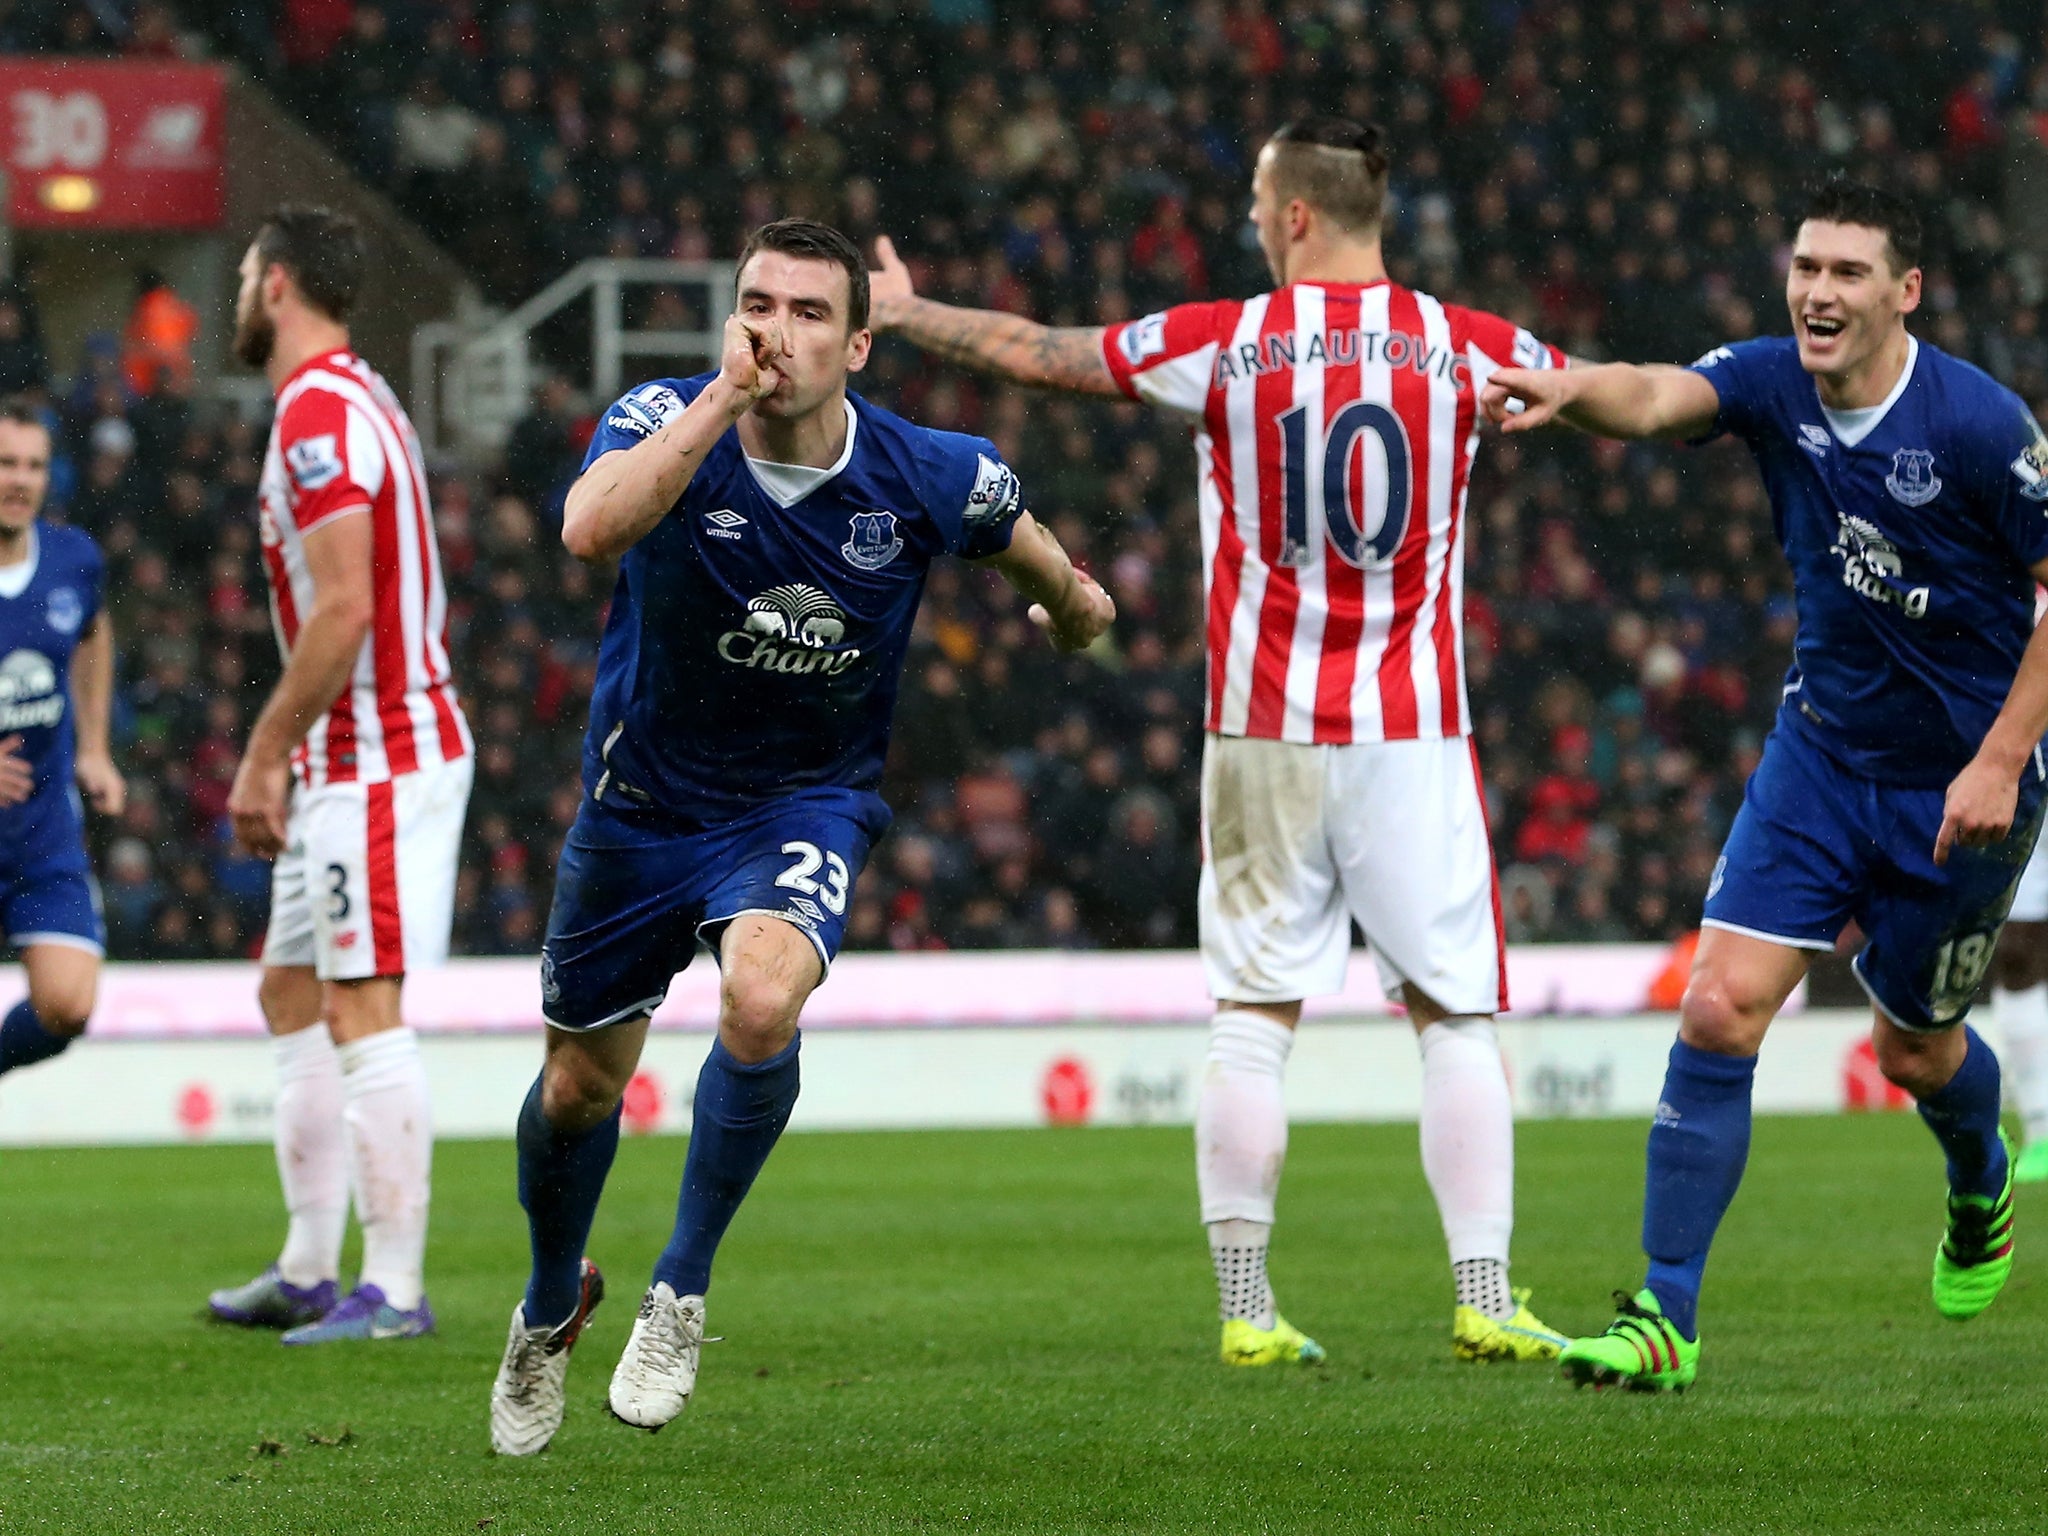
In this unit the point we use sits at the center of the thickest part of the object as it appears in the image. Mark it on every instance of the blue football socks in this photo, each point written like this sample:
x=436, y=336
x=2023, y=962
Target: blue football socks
x=561, y=1176
x=24, y=1041
x=738, y=1115
x=1964, y=1119
x=1699, y=1142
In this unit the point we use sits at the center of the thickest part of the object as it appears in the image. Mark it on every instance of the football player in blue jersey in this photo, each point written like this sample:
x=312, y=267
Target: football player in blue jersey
x=56, y=691
x=773, y=533
x=1902, y=788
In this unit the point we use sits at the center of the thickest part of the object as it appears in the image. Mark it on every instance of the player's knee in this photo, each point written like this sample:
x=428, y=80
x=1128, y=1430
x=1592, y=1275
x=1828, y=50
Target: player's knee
x=63, y=1010
x=757, y=1013
x=1724, y=1012
x=576, y=1092
x=285, y=1002
x=1917, y=1062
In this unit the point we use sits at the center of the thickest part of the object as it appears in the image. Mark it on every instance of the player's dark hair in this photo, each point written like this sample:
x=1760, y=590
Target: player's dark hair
x=812, y=241
x=323, y=250
x=1841, y=201
x=23, y=412
x=1337, y=166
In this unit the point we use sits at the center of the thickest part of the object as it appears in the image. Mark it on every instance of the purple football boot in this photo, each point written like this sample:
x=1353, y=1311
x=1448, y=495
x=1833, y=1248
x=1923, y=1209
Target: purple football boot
x=271, y=1301
x=364, y=1314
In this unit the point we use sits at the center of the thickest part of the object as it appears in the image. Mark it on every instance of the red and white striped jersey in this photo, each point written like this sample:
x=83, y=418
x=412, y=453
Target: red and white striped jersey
x=341, y=444
x=1335, y=429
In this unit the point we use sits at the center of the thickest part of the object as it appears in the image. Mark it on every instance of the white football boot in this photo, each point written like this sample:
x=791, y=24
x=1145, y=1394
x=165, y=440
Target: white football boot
x=658, y=1371
x=526, y=1399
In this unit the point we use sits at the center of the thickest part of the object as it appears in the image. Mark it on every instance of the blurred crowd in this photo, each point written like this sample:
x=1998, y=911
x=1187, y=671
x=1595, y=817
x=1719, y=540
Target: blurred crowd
x=1617, y=176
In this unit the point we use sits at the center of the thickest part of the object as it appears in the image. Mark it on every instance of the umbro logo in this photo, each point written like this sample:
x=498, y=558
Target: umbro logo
x=1814, y=440
x=725, y=523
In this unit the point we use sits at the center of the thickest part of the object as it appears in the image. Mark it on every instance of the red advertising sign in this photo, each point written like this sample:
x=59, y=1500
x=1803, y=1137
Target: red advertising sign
x=112, y=146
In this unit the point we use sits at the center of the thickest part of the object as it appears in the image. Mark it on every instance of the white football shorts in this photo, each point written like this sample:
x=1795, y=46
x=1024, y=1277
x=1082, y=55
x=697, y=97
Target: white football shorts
x=2030, y=901
x=366, y=884
x=1300, y=840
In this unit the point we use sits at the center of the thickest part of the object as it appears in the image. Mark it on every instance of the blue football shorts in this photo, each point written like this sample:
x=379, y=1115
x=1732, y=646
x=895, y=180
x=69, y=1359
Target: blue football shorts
x=47, y=892
x=1816, y=846
x=636, y=892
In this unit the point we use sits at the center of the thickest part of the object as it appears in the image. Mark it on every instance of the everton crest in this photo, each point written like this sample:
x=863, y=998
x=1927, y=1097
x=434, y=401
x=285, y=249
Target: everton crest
x=1913, y=480
x=873, y=541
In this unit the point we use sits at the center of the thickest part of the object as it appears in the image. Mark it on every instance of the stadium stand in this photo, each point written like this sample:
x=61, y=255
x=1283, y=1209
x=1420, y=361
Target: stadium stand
x=1595, y=170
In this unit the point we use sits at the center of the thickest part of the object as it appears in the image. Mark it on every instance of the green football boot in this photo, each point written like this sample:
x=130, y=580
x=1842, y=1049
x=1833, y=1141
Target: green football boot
x=2032, y=1168
x=1641, y=1350
x=1975, y=1256
x=1281, y=1344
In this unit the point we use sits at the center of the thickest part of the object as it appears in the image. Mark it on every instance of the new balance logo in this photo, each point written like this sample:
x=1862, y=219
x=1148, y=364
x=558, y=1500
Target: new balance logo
x=725, y=523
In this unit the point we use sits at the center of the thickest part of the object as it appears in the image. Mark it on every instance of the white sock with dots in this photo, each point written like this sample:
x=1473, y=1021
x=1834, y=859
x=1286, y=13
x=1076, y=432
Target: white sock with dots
x=391, y=1156
x=1468, y=1155
x=1240, y=1147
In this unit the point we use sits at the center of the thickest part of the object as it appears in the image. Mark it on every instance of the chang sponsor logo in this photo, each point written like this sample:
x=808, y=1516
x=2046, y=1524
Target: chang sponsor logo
x=794, y=629
x=28, y=692
x=1872, y=568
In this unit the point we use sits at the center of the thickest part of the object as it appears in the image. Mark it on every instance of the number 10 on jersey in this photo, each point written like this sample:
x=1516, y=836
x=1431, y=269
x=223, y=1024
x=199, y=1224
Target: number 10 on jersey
x=1338, y=508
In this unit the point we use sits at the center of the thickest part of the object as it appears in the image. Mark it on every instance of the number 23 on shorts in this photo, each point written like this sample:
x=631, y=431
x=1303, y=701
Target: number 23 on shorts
x=801, y=874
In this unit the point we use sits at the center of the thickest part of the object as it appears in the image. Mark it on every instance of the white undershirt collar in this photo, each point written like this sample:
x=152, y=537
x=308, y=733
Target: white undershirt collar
x=788, y=484
x=14, y=579
x=1851, y=427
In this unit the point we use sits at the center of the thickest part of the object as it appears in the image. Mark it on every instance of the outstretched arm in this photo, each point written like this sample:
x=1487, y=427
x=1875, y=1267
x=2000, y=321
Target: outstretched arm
x=1009, y=346
x=1067, y=604
x=1625, y=400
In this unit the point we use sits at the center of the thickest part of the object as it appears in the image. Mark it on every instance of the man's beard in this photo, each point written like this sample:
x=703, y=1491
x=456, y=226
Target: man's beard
x=255, y=339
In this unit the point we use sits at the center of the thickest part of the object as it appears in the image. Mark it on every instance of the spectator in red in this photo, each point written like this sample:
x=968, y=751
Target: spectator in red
x=1562, y=803
x=1970, y=119
x=1166, y=250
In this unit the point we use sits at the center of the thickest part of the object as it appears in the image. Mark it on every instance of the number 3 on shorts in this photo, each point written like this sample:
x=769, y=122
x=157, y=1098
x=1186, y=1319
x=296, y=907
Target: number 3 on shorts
x=800, y=876
x=337, y=893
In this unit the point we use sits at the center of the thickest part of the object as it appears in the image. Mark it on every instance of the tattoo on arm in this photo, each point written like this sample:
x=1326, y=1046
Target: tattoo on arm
x=1020, y=350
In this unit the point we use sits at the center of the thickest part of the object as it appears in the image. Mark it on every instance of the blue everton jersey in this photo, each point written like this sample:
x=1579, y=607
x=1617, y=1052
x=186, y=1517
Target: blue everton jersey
x=40, y=626
x=755, y=638
x=1911, y=529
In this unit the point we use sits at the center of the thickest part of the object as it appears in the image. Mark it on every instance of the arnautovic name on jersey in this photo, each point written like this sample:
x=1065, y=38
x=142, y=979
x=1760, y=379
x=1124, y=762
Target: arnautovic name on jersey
x=1871, y=567
x=791, y=628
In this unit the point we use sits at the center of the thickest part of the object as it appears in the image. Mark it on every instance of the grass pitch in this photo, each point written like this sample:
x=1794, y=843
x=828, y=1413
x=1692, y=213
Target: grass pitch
x=1015, y=1332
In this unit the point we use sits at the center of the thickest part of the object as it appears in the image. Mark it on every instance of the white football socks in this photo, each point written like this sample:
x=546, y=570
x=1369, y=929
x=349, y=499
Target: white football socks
x=2022, y=1018
x=1468, y=1151
x=391, y=1153
x=1240, y=1147
x=1241, y=1117
x=312, y=1159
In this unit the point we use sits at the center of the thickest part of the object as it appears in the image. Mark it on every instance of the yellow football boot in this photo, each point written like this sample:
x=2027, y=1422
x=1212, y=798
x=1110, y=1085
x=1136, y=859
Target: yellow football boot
x=1281, y=1344
x=1481, y=1340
